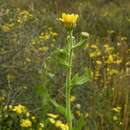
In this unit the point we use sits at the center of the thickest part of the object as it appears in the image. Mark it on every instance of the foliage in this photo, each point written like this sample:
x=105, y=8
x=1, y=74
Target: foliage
x=33, y=64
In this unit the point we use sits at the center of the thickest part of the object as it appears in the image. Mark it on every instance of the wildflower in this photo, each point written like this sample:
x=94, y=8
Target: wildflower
x=61, y=125
x=78, y=106
x=2, y=99
x=25, y=123
x=106, y=45
x=10, y=107
x=19, y=109
x=98, y=62
x=51, y=120
x=5, y=107
x=110, y=59
x=69, y=19
x=43, y=49
x=25, y=13
x=78, y=113
x=72, y=98
x=7, y=27
x=54, y=34
x=117, y=109
x=33, y=118
x=112, y=71
x=27, y=114
x=23, y=16
x=85, y=34
x=120, y=123
x=58, y=123
x=43, y=36
x=54, y=116
x=28, y=59
x=86, y=115
x=40, y=128
x=95, y=53
x=115, y=118
x=41, y=125
x=94, y=46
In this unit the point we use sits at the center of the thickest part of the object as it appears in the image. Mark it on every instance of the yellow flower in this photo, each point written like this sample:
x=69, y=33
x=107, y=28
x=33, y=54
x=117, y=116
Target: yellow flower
x=110, y=59
x=10, y=107
x=58, y=123
x=2, y=99
x=78, y=113
x=112, y=71
x=25, y=13
x=98, y=62
x=72, y=98
x=23, y=16
x=7, y=27
x=54, y=34
x=117, y=109
x=27, y=114
x=19, y=109
x=41, y=125
x=54, y=116
x=25, y=123
x=43, y=49
x=94, y=46
x=61, y=125
x=33, y=118
x=40, y=128
x=115, y=118
x=51, y=120
x=69, y=19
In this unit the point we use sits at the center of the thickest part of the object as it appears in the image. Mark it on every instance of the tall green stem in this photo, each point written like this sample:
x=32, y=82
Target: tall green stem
x=68, y=79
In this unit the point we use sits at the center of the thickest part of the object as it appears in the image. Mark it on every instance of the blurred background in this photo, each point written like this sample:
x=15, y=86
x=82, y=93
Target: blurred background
x=29, y=34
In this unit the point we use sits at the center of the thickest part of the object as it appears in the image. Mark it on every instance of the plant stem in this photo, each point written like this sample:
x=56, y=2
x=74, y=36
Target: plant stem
x=68, y=79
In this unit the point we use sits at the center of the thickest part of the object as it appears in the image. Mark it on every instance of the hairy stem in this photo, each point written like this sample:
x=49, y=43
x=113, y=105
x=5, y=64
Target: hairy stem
x=68, y=80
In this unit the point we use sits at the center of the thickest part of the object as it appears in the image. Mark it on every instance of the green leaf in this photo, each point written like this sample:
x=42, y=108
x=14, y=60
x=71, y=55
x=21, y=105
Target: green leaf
x=42, y=91
x=61, y=53
x=61, y=109
x=80, y=44
x=80, y=123
x=79, y=80
x=64, y=62
x=61, y=56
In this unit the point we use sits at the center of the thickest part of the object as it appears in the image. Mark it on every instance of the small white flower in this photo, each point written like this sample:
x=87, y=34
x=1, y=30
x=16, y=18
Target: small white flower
x=85, y=34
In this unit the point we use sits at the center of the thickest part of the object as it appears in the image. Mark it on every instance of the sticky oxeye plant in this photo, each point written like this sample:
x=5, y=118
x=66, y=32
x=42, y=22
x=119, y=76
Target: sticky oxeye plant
x=69, y=22
x=65, y=57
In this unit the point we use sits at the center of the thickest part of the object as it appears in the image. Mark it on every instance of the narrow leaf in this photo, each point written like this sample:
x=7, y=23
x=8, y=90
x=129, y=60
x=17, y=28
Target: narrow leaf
x=79, y=80
x=61, y=109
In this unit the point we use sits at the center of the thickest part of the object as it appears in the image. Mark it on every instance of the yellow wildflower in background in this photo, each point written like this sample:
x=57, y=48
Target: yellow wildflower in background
x=23, y=16
x=69, y=19
x=7, y=27
x=78, y=113
x=98, y=62
x=25, y=123
x=115, y=118
x=117, y=109
x=72, y=98
x=61, y=125
x=19, y=109
x=27, y=114
x=54, y=116
x=51, y=120
x=41, y=125
x=33, y=118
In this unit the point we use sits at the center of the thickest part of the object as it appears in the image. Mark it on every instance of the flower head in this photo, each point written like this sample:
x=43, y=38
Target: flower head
x=25, y=123
x=51, y=115
x=69, y=19
x=19, y=109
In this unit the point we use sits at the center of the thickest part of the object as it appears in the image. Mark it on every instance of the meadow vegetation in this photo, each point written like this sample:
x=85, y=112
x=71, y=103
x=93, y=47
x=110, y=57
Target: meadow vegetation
x=64, y=65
